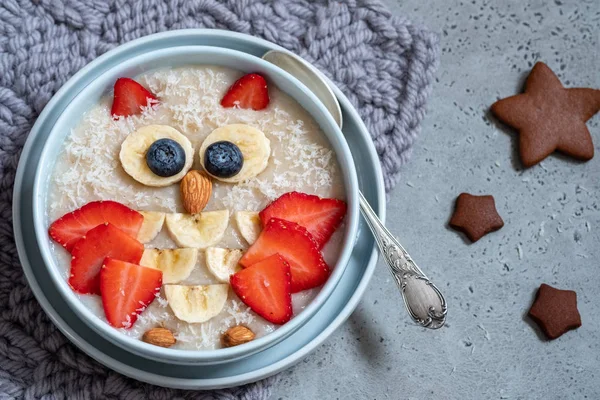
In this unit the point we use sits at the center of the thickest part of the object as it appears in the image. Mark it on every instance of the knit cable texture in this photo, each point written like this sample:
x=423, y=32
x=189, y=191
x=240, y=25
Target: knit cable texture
x=383, y=63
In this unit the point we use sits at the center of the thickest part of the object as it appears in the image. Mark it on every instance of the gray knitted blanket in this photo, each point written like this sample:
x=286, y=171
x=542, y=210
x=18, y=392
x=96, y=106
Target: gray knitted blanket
x=384, y=64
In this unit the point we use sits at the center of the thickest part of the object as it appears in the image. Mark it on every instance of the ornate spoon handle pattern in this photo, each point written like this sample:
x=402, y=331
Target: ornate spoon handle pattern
x=423, y=300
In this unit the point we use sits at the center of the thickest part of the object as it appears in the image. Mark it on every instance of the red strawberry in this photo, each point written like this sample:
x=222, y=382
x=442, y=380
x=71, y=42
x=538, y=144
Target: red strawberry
x=129, y=98
x=127, y=289
x=68, y=229
x=265, y=288
x=250, y=91
x=321, y=217
x=88, y=253
x=296, y=246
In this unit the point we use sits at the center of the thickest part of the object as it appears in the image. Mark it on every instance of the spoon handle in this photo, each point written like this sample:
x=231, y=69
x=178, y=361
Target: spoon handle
x=423, y=300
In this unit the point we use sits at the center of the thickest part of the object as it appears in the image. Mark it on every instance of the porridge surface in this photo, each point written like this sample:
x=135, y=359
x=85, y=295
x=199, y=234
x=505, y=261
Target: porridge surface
x=88, y=169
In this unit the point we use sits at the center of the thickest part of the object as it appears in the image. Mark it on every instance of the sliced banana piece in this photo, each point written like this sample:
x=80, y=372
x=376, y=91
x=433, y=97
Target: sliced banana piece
x=135, y=146
x=249, y=225
x=196, y=304
x=176, y=264
x=198, y=230
x=153, y=223
x=223, y=262
x=253, y=144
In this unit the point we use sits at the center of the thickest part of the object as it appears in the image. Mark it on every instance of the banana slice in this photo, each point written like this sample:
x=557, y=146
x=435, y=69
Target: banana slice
x=196, y=304
x=153, y=223
x=253, y=144
x=223, y=262
x=249, y=225
x=198, y=230
x=135, y=146
x=176, y=264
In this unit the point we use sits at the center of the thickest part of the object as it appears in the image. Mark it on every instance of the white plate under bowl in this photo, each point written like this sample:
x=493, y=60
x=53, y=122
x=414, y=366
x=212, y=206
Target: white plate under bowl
x=333, y=313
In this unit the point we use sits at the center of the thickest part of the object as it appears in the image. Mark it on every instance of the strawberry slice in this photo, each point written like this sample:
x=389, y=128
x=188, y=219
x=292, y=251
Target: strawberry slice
x=127, y=289
x=250, y=91
x=321, y=217
x=88, y=253
x=265, y=288
x=296, y=246
x=129, y=98
x=68, y=229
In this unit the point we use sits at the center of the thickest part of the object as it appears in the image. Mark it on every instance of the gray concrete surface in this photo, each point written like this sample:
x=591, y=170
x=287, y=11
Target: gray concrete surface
x=489, y=350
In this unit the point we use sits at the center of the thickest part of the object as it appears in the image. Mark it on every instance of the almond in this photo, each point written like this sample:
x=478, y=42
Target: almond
x=159, y=337
x=237, y=335
x=196, y=188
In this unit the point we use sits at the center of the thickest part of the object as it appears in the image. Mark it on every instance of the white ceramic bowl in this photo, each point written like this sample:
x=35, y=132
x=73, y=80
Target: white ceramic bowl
x=101, y=81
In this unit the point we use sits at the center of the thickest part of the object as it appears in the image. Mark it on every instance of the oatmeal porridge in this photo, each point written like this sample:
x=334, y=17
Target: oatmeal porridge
x=220, y=186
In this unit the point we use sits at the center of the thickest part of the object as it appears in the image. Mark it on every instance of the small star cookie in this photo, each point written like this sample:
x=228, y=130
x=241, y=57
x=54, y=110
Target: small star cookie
x=555, y=311
x=550, y=117
x=476, y=216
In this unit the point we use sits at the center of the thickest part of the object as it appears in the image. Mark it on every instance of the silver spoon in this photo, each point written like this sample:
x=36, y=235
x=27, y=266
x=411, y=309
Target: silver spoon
x=423, y=300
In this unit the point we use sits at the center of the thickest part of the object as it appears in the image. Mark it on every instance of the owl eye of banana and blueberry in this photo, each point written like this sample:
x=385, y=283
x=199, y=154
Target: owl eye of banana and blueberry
x=105, y=238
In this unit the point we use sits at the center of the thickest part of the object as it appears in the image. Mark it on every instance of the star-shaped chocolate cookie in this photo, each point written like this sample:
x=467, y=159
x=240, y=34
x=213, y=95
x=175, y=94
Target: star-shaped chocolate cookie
x=555, y=311
x=476, y=216
x=550, y=117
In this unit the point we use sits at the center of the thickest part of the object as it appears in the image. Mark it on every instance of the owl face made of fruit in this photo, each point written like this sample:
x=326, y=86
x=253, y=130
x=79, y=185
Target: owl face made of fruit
x=108, y=240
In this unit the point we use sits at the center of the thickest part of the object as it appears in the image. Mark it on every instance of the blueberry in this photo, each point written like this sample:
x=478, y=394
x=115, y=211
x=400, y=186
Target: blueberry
x=223, y=159
x=165, y=157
